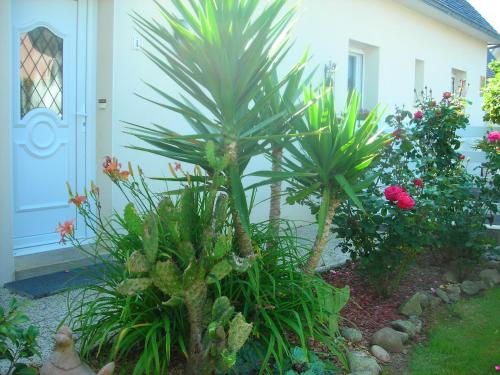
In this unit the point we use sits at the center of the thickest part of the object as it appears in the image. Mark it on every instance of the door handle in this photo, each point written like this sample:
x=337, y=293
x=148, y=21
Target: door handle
x=82, y=118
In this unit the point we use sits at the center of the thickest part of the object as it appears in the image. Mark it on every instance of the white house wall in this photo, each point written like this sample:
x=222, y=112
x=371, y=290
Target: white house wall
x=400, y=35
x=396, y=37
x=6, y=257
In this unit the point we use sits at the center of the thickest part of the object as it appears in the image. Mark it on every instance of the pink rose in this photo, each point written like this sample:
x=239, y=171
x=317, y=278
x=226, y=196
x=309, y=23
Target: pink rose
x=419, y=115
x=493, y=136
x=392, y=192
x=405, y=202
x=446, y=95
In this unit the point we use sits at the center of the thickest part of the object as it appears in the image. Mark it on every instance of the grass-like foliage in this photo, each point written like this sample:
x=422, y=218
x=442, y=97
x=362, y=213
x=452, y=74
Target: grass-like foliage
x=463, y=339
x=287, y=306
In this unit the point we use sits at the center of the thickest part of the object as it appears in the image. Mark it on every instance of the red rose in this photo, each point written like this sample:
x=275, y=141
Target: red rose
x=397, y=133
x=418, y=115
x=405, y=202
x=446, y=95
x=392, y=192
x=461, y=157
x=419, y=182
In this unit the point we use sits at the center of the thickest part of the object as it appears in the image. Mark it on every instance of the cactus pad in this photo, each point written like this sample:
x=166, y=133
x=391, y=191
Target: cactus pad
x=150, y=238
x=137, y=263
x=239, y=330
x=219, y=271
x=167, y=278
x=222, y=310
x=130, y=287
x=133, y=222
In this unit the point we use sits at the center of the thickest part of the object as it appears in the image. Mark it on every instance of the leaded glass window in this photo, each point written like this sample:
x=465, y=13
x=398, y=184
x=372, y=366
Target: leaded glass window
x=41, y=71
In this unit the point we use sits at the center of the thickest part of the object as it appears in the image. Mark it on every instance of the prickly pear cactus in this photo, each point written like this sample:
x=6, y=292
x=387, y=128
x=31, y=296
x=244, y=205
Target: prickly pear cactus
x=186, y=248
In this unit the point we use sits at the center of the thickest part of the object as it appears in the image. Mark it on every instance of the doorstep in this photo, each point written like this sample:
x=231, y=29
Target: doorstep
x=57, y=282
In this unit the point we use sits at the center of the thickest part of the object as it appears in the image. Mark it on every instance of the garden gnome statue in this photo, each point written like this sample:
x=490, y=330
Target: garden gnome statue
x=65, y=361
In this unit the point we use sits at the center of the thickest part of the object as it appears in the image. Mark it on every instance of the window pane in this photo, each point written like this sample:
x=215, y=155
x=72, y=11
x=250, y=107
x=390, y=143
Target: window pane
x=41, y=71
x=351, y=74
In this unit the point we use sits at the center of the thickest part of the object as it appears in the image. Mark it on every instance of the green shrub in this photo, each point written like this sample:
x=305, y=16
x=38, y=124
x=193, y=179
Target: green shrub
x=458, y=211
x=491, y=94
x=17, y=343
x=490, y=169
x=444, y=214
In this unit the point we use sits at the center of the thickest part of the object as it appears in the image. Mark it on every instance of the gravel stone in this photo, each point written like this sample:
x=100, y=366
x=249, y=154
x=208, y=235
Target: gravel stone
x=490, y=277
x=414, y=305
x=450, y=277
x=405, y=326
x=470, y=288
x=443, y=295
x=351, y=334
x=390, y=339
x=380, y=353
x=363, y=363
x=454, y=292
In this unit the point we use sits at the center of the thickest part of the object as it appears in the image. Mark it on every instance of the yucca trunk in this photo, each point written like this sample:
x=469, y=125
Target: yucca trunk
x=321, y=239
x=242, y=237
x=275, y=207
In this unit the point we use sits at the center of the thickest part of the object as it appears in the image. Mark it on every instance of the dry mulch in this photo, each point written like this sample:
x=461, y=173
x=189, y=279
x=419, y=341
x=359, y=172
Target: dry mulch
x=368, y=311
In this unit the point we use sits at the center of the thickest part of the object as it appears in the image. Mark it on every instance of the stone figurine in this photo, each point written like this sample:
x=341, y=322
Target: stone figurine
x=65, y=361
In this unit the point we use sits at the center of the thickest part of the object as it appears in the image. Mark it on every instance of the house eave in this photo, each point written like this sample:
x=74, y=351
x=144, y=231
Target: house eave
x=450, y=18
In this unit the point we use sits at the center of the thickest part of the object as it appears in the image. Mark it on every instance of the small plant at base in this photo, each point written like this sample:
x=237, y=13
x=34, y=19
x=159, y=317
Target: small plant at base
x=308, y=363
x=17, y=343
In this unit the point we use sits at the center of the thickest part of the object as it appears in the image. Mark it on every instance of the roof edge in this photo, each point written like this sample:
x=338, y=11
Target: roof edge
x=463, y=19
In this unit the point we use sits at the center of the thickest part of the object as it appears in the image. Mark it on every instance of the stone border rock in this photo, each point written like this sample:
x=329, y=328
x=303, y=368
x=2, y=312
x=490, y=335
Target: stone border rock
x=393, y=339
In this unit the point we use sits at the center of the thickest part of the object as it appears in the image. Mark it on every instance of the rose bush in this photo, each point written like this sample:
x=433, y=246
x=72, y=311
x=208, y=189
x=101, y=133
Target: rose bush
x=386, y=237
x=490, y=170
x=422, y=199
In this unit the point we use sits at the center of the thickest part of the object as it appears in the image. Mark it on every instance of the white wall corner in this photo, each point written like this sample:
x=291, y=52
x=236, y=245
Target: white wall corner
x=7, y=267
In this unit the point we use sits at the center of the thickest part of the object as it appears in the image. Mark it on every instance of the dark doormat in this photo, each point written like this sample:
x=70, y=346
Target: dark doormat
x=43, y=286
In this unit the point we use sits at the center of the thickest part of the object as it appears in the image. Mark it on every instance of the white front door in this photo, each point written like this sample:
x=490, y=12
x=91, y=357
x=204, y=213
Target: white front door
x=48, y=118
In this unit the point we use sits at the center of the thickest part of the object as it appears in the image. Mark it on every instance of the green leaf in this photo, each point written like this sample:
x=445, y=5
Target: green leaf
x=346, y=186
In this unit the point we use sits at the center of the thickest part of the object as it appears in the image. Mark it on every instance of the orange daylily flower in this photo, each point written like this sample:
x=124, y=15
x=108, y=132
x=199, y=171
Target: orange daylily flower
x=77, y=200
x=66, y=229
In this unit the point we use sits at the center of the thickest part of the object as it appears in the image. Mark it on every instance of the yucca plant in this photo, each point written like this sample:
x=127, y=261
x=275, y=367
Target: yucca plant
x=286, y=101
x=331, y=161
x=219, y=52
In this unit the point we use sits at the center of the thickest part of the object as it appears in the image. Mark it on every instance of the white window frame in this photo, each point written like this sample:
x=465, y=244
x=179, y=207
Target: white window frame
x=359, y=70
